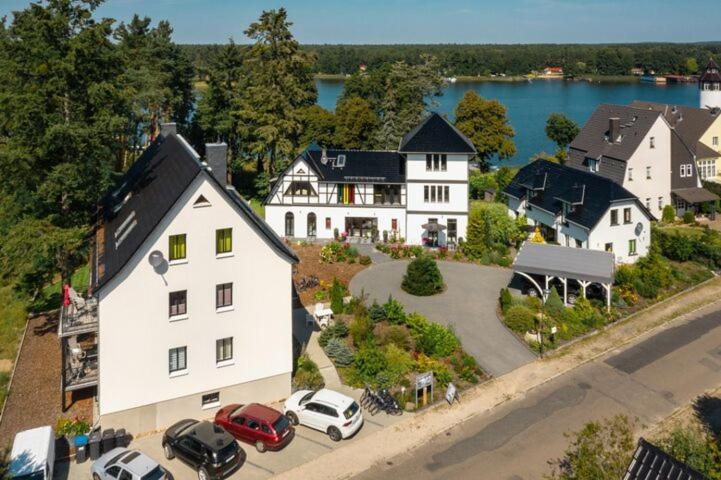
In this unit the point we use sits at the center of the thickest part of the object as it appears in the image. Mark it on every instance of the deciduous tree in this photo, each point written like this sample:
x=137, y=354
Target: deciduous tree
x=356, y=123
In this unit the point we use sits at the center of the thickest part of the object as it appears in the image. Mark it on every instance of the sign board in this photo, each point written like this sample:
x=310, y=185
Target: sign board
x=451, y=393
x=424, y=380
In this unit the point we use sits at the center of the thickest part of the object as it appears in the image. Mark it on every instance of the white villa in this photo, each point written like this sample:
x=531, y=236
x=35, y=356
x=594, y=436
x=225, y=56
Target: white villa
x=190, y=296
x=419, y=192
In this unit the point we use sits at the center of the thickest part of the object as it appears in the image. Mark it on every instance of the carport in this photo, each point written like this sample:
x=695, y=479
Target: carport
x=565, y=263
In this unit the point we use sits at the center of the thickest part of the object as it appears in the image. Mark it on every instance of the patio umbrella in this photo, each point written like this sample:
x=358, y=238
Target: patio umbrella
x=433, y=227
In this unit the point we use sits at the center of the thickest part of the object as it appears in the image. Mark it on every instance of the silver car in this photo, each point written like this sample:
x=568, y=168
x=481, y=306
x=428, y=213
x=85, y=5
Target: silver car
x=124, y=464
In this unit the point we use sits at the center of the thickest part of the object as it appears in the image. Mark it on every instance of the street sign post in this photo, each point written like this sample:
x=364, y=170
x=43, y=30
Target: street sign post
x=424, y=382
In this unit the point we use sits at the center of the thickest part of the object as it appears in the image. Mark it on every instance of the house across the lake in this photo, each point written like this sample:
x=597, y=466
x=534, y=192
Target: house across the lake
x=580, y=209
x=418, y=192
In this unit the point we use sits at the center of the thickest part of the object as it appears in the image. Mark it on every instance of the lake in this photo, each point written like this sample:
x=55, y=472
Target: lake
x=530, y=103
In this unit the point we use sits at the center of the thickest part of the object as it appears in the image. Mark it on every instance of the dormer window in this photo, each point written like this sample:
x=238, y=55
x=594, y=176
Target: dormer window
x=593, y=165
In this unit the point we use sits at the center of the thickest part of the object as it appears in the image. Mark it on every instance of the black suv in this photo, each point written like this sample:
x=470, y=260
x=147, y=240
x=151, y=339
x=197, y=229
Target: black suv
x=206, y=447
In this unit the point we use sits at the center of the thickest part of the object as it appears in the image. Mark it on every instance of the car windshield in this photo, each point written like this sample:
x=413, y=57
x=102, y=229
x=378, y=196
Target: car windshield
x=155, y=474
x=306, y=397
x=350, y=411
x=281, y=424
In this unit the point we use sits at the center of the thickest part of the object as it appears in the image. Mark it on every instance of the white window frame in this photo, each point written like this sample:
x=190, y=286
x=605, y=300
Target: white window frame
x=177, y=372
x=222, y=347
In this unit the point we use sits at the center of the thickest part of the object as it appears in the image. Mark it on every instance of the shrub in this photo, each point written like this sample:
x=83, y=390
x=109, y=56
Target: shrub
x=668, y=215
x=437, y=341
x=676, y=246
x=440, y=370
x=689, y=217
x=361, y=329
x=423, y=278
x=625, y=275
x=399, y=363
x=554, y=304
x=584, y=314
x=365, y=260
x=394, y=334
x=394, y=311
x=369, y=361
x=337, y=330
x=307, y=376
x=339, y=351
x=71, y=427
x=376, y=312
x=505, y=299
x=337, y=292
x=489, y=228
x=466, y=367
x=519, y=319
x=417, y=323
x=385, y=236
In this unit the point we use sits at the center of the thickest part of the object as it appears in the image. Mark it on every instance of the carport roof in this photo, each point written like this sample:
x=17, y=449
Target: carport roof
x=558, y=261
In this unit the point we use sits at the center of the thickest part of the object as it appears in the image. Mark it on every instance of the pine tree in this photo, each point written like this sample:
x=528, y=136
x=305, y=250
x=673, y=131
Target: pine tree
x=423, y=277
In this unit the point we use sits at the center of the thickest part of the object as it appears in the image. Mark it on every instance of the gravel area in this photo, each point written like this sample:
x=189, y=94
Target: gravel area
x=34, y=399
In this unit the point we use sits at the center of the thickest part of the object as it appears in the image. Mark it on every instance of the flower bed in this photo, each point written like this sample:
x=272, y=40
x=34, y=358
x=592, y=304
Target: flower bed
x=383, y=346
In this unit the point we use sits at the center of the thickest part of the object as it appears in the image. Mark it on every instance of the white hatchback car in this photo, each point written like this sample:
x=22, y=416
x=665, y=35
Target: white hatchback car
x=124, y=464
x=331, y=412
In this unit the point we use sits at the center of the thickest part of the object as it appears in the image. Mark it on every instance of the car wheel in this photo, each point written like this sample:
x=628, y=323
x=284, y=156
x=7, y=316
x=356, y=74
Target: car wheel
x=203, y=474
x=168, y=452
x=293, y=418
x=335, y=434
x=260, y=446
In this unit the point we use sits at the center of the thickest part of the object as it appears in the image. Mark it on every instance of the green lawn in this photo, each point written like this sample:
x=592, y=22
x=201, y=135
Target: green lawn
x=13, y=315
x=257, y=206
x=52, y=294
x=683, y=230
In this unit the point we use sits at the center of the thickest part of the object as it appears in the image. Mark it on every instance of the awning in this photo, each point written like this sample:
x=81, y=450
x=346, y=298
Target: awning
x=567, y=262
x=433, y=227
x=695, y=195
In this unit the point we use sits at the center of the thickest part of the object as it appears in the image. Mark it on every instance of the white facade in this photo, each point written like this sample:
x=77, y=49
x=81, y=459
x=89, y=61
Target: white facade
x=648, y=170
x=631, y=231
x=136, y=331
x=438, y=193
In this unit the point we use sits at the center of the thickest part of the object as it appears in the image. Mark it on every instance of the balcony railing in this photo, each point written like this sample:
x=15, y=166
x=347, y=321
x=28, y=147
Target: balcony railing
x=80, y=364
x=80, y=316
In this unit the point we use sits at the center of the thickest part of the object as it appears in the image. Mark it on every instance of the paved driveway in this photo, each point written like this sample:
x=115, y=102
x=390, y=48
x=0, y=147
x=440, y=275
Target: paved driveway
x=469, y=304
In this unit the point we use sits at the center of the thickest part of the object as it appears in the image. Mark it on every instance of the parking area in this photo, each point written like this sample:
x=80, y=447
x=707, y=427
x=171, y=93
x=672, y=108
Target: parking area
x=307, y=445
x=468, y=303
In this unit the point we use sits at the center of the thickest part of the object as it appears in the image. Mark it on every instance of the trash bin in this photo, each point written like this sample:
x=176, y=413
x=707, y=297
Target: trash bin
x=94, y=445
x=81, y=448
x=121, y=438
x=108, y=440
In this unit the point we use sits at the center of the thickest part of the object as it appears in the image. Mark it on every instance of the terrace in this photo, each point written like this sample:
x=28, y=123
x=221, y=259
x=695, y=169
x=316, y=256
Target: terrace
x=78, y=315
x=80, y=362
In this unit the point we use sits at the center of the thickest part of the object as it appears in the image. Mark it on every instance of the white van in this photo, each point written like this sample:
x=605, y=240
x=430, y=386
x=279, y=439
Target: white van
x=33, y=455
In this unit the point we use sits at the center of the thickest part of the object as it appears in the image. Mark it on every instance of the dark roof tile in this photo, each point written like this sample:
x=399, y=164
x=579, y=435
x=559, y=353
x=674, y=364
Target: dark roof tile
x=436, y=135
x=650, y=462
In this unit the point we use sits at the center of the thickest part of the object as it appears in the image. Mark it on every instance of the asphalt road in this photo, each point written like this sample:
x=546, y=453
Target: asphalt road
x=468, y=303
x=647, y=381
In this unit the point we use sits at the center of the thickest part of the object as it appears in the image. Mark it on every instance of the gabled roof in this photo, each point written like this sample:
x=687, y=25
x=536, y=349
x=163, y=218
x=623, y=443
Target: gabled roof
x=435, y=134
x=376, y=166
x=593, y=139
x=576, y=263
x=146, y=193
x=590, y=195
x=690, y=123
x=650, y=462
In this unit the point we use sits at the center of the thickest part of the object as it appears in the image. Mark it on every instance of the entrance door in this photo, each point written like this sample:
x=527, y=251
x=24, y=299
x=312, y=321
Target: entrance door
x=433, y=232
x=360, y=226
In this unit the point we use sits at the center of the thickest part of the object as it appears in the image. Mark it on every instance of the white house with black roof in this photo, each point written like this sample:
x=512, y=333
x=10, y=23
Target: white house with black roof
x=579, y=209
x=418, y=192
x=191, y=296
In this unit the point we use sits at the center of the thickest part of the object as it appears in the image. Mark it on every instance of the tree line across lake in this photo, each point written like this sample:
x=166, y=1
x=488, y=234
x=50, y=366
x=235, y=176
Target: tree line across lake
x=485, y=60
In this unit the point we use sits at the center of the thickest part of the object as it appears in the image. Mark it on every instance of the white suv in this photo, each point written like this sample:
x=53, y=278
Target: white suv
x=331, y=412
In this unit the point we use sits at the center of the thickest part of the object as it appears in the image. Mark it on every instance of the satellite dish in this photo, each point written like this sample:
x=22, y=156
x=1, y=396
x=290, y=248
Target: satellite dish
x=639, y=228
x=155, y=258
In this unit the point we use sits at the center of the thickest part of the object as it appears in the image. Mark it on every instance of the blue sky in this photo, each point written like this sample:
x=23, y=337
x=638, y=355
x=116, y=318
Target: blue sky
x=434, y=21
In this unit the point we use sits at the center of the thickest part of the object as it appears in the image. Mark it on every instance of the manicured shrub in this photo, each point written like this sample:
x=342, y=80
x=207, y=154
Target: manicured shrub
x=417, y=323
x=689, y=217
x=519, y=319
x=554, y=304
x=586, y=315
x=339, y=351
x=385, y=236
x=365, y=260
x=307, y=376
x=394, y=311
x=361, y=329
x=337, y=292
x=399, y=363
x=505, y=299
x=369, y=361
x=395, y=334
x=376, y=312
x=668, y=215
x=337, y=330
x=437, y=341
x=423, y=278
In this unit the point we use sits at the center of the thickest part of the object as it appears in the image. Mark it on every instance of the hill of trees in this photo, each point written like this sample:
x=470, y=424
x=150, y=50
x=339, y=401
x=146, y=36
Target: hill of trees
x=610, y=59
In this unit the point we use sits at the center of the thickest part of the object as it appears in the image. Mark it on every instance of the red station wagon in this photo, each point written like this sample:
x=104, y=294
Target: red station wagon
x=264, y=427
